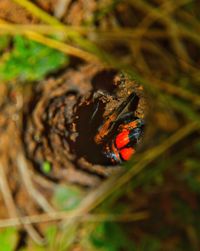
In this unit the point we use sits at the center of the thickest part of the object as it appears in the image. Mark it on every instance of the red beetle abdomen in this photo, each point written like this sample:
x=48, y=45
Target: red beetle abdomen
x=122, y=139
x=126, y=153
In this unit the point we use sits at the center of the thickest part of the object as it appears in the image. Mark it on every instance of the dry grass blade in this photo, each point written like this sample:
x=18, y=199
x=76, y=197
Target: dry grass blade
x=168, y=8
x=56, y=216
x=26, y=179
x=68, y=49
x=115, y=183
x=7, y=193
x=60, y=46
x=167, y=20
x=194, y=98
x=156, y=48
x=42, y=15
x=120, y=34
x=12, y=210
x=96, y=197
x=20, y=29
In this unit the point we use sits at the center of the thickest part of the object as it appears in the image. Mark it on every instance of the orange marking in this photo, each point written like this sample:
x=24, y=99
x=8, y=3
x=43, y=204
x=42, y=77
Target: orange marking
x=104, y=129
x=131, y=125
x=126, y=153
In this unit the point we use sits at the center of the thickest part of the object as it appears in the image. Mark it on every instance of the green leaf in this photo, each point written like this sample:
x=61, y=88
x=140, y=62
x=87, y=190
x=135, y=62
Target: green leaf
x=30, y=60
x=8, y=239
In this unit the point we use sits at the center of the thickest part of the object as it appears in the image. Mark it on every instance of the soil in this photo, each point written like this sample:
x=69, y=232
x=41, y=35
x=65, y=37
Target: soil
x=49, y=123
x=52, y=122
x=12, y=12
x=58, y=123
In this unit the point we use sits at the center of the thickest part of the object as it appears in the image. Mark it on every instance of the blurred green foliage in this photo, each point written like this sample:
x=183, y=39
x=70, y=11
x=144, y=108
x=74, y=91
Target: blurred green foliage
x=67, y=197
x=29, y=60
x=4, y=41
x=109, y=236
x=169, y=188
x=8, y=239
x=46, y=167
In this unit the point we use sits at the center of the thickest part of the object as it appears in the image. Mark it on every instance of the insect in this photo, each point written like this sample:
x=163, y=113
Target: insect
x=120, y=133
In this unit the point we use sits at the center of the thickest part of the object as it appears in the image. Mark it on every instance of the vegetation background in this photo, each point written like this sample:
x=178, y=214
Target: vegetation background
x=153, y=204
